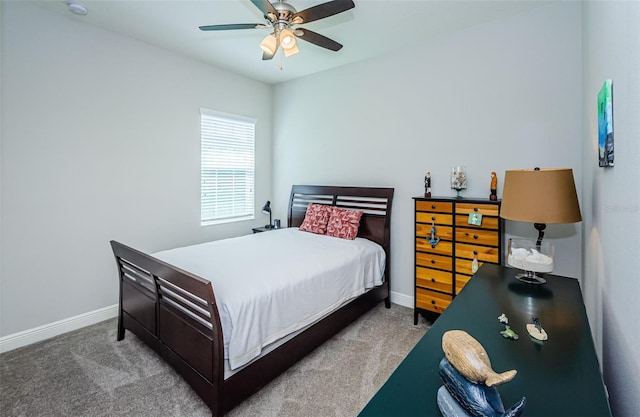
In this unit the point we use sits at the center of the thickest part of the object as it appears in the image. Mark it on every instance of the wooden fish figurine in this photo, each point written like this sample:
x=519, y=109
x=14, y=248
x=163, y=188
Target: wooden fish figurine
x=469, y=358
x=474, y=399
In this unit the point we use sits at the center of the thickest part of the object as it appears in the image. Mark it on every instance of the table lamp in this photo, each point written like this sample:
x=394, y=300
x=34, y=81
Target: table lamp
x=266, y=209
x=538, y=196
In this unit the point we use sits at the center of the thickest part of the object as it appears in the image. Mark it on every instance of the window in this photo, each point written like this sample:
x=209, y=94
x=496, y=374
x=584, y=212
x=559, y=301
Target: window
x=227, y=167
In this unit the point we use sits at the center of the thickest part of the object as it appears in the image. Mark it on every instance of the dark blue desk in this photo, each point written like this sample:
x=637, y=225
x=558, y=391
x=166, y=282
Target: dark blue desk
x=560, y=377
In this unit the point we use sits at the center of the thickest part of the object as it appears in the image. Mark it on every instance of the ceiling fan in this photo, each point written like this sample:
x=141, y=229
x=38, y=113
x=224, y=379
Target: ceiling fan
x=283, y=19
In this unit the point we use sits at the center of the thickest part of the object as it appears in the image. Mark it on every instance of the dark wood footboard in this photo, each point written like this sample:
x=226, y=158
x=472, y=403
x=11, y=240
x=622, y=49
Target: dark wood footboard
x=175, y=313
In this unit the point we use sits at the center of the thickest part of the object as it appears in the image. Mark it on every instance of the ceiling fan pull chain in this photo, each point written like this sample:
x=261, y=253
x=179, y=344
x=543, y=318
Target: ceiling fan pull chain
x=280, y=65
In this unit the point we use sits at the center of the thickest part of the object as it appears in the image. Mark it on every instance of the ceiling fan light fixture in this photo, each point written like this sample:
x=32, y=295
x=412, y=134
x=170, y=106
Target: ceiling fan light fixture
x=290, y=51
x=282, y=19
x=287, y=39
x=269, y=44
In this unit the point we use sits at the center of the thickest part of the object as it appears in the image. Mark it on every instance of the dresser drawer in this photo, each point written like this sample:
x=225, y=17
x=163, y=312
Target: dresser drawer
x=486, y=223
x=442, y=248
x=431, y=300
x=437, y=218
x=481, y=237
x=434, y=279
x=482, y=253
x=484, y=209
x=443, y=232
x=461, y=281
x=463, y=266
x=434, y=261
x=435, y=206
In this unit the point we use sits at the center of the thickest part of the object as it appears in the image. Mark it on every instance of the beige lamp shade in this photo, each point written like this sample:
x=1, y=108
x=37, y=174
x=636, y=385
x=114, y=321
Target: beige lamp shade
x=269, y=44
x=287, y=40
x=540, y=196
x=290, y=51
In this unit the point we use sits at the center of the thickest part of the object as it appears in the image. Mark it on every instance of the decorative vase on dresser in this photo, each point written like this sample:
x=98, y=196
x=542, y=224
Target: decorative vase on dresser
x=453, y=237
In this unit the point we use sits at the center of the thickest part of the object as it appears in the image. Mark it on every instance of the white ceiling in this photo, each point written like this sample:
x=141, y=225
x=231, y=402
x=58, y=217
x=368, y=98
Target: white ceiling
x=372, y=28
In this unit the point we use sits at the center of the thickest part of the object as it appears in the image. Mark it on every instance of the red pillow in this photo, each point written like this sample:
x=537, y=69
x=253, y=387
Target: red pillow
x=316, y=219
x=344, y=223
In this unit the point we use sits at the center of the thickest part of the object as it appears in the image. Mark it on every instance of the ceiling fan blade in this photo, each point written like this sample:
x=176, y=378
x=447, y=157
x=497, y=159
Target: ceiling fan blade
x=318, y=39
x=265, y=7
x=233, y=26
x=324, y=10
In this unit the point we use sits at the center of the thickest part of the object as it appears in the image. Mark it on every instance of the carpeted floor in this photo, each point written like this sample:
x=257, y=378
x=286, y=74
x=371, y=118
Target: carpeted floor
x=87, y=373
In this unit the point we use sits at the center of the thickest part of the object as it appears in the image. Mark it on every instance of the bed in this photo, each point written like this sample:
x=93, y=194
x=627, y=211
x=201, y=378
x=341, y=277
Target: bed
x=174, y=310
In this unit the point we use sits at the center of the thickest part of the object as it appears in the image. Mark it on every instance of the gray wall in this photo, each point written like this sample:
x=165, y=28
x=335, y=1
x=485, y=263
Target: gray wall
x=611, y=283
x=496, y=97
x=100, y=141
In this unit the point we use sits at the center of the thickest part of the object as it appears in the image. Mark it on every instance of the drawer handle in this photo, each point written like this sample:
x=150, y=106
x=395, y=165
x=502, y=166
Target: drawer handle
x=433, y=217
x=433, y=206
x=433, y=301
x=475, y=236
x=475, y=252
x=433, y=280
x=433, y=261
x=475, y=209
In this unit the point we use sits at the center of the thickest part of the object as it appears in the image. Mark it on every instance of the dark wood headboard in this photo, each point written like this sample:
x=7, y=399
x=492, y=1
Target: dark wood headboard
x=375, y=202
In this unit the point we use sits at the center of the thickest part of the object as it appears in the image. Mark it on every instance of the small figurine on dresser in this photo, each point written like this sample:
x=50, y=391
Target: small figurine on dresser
x=494, y=187
x=427, y=184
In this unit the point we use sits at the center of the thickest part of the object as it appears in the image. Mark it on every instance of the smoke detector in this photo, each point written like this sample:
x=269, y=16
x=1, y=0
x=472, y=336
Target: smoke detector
x=77, y=8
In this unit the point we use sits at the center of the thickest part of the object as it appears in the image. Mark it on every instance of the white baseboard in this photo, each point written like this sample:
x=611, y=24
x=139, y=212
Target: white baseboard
x=401, y=299
x=37, y=334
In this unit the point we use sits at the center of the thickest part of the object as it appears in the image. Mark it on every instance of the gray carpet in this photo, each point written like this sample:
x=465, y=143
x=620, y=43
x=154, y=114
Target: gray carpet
x=87, y=373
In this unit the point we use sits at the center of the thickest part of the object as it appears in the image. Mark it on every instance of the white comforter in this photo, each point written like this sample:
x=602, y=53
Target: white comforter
x=268, y=285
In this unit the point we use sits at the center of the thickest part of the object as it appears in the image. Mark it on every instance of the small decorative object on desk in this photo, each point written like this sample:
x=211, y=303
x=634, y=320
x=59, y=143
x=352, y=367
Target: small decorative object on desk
x=470, y=359
x=507, y=333
x=459, y=178
x=494, y=187
x=469, y=381
x=536, y=331
x=427, y=185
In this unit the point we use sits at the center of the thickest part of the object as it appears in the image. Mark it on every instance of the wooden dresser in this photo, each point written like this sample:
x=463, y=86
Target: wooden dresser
x=464, y=230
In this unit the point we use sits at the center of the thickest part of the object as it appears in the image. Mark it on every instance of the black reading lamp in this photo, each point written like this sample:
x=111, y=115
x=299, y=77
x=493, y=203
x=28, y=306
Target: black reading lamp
x=266, y=209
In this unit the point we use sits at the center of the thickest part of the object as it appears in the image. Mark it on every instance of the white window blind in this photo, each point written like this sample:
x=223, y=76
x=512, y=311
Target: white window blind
x=227, y=167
